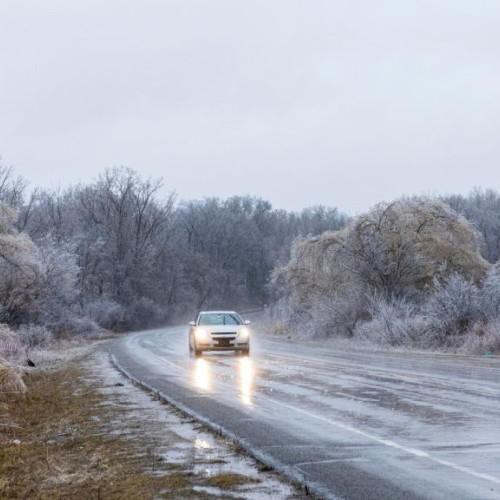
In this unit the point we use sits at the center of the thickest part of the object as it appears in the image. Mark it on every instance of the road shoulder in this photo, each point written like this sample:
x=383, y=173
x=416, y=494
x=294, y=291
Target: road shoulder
x=85, y=431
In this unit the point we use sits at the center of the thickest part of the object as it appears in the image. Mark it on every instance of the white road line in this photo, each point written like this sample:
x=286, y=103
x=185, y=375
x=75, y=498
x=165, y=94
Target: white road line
x=391, y=444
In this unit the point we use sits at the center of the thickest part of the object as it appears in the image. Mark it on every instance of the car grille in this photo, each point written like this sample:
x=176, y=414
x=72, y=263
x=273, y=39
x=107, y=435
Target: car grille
x=223, y=339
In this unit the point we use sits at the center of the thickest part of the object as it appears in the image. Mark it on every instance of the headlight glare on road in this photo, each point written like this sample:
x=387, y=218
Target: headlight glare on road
x=201, y=335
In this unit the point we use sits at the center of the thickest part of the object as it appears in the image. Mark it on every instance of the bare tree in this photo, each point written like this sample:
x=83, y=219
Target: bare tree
x=482, y=208
x=12, y=188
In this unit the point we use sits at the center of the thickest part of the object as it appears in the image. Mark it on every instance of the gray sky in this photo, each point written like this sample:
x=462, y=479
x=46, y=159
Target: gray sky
x=342, y=103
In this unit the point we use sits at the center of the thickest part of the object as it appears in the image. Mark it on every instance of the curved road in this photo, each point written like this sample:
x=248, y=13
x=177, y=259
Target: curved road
x=356, y=425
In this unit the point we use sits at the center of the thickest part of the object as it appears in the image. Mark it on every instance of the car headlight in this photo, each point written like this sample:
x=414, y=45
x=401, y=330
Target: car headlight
x=243, y=334
x=201, y=335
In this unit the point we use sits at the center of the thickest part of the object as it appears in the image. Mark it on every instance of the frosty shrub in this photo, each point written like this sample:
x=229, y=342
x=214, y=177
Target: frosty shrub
x=73, y=326
x=458, y=315
x=490, y=295
x=453, y=309
x=145, y=313
x=106, y=313
x=277, y=317
x=393, y=322
x=32, y=336
x=338, y=316
x=482, y=338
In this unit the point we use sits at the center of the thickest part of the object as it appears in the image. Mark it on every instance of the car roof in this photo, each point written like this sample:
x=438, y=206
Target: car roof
x=218, y=312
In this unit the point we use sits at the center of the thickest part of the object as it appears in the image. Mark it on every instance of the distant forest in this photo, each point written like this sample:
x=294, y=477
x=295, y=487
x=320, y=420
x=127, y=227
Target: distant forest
x=118, y=254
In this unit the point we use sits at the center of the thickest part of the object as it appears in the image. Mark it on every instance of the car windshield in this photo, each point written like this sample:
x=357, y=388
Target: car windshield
x=219, y=319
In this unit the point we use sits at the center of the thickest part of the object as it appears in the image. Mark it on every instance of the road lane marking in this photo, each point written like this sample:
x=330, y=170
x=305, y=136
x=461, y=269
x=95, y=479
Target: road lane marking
x=391, y=444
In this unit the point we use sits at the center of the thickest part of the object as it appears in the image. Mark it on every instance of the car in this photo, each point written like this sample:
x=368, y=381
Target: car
x=219, y=331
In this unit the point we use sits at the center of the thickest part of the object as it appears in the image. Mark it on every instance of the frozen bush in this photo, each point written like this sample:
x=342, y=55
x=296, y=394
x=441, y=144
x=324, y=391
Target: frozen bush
x=32, y=336
x=74, y=326
x=83, y=325
x=5, y=331
x=394, y=322
x=145, y=313
x=277, y=317
x=490, y=295
x=453, y=308
x=106, y=313
x=338, y=316
x=482, y=338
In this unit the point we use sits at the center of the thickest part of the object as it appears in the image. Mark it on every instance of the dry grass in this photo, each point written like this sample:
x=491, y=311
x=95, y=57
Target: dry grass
x=11, y=381
x=229, y=481
x=56, y=442
x=10, y=345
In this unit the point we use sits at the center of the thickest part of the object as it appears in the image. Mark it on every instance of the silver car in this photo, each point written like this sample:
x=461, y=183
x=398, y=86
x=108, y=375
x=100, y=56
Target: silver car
x=219, y=331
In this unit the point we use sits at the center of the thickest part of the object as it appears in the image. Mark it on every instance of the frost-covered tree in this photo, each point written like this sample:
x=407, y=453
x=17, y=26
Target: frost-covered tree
x=397, y=251
x=21, y=291
x=490, y=294
x=113, y=229
x=12, y=187
x=225, y=243
x=123, y=222
x=453, y=307
x=482, y=208
x=59, y=274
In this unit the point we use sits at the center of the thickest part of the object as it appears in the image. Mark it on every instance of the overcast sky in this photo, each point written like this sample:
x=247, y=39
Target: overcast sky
x=342, y=103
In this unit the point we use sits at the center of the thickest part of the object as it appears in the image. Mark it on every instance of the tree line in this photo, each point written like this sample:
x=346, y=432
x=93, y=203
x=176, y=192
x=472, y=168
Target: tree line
x=119, y=254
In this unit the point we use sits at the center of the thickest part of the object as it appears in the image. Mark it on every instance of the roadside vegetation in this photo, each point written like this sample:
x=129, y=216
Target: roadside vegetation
x=81, y=431
x=412, y=273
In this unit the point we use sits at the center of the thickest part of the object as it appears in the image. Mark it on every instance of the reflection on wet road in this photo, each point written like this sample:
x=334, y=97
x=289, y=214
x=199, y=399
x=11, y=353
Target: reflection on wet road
x=245, y=370
x=201, y=375
x=352, y=424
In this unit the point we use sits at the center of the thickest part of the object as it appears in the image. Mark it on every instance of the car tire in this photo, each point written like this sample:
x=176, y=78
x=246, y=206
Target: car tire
x=246, y=352
x=197, y=352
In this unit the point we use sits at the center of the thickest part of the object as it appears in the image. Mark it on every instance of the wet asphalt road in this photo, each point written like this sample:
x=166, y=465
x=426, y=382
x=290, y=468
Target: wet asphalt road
x=356, y=425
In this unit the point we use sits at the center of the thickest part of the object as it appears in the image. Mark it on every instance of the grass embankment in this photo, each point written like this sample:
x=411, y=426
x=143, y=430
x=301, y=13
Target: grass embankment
x=60, y=440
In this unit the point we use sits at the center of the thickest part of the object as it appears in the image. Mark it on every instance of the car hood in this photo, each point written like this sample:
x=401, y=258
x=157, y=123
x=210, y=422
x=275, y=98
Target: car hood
x=222, y=328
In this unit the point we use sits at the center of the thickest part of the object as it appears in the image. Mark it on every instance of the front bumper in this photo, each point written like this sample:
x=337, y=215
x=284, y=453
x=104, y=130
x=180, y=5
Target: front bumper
x=225, y=343
x=209, y=347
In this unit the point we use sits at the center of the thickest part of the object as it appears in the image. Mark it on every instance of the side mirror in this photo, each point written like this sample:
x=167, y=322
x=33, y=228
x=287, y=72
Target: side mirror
x=247, y=322
x=192, y=323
